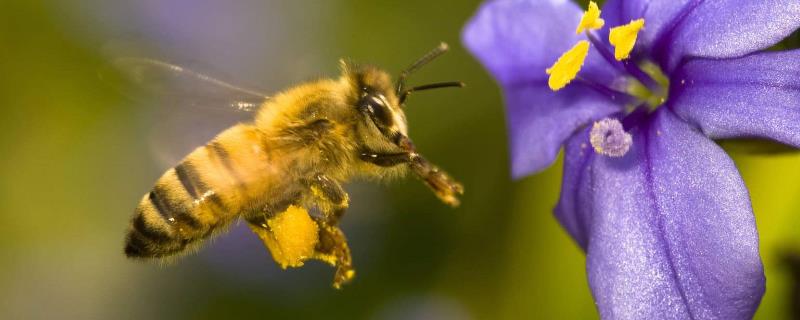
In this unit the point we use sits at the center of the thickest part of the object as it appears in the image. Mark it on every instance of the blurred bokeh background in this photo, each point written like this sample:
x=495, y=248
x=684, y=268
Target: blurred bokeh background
x=78, y=152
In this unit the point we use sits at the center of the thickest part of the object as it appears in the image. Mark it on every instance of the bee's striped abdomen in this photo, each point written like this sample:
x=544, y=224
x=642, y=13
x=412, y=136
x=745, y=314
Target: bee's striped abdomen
x=204, y=192
x=165, y=221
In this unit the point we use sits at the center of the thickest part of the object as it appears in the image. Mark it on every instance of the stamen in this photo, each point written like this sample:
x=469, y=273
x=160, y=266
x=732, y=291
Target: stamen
x=614, y=94
x=609, y=138
x=566, y=68
x=624, y=37
x=591, y=19
x=624, y=66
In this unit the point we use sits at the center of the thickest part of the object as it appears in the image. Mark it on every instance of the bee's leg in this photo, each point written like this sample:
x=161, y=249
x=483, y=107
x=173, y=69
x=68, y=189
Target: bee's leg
x=278, y=205
x=331, y=198
x=332, y=248
x=292, y=241
x=386, y=159
x=445, y=187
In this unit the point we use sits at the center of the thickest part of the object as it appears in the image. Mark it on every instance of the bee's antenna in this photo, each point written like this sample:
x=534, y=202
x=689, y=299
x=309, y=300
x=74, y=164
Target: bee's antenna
x=428, y=57
x=452, y=84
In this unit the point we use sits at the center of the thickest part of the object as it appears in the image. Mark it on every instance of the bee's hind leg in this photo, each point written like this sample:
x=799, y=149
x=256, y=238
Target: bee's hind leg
x=332, y=248
x=294, y=236
x=331, y=199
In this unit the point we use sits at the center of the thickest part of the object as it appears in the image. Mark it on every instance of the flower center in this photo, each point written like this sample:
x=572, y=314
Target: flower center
x=644, y=87
x=646, y=84
x=648, y=96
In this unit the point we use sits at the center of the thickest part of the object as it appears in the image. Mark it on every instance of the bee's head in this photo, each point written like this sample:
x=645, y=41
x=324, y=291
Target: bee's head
x=381, y=101
x=377, y=102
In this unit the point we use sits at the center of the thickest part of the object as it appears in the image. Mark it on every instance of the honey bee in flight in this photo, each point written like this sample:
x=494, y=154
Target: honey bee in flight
x=302, y=144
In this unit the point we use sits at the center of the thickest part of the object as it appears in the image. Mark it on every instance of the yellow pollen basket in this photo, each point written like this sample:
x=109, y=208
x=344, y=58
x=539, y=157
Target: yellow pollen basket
x=591, y=19
x=624, y=37
x=566, y=68
x=291, y=236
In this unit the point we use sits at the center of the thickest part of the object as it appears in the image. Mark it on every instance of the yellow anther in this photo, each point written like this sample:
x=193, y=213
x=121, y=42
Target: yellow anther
x=624, y=37
x=591, y=19
x=567, y=66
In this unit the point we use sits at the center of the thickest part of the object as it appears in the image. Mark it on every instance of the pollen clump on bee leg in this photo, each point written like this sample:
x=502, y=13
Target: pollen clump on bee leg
x=567, y=66
x=291, y=236
x=624, y=37
x=591, y=19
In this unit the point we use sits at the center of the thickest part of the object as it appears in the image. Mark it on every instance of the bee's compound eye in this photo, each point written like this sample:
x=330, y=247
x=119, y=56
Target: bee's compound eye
x=376, y=108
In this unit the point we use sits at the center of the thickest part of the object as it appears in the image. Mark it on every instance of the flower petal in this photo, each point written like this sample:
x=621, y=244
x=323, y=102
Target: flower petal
x=729, y=28
x=672, y=233
x=574, y=204
x=517, y=40
x=712, y=29
x=540, y=120
x=753, y=96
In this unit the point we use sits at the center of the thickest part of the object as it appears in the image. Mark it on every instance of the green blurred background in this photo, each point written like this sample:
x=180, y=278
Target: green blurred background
x=77, y=154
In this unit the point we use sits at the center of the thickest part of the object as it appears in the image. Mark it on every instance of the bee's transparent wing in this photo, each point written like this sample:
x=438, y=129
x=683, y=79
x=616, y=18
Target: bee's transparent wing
x=192, y=107
x=179, y=86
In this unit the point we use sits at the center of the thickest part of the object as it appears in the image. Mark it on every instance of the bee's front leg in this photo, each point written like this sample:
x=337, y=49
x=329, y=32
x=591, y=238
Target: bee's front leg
x=445, y=187
x=386, y=159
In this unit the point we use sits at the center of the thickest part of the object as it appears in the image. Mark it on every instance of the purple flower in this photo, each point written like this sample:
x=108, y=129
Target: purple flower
x=659, y=208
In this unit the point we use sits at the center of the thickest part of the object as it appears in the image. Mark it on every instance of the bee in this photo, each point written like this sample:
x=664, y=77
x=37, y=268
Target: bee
x=301, y=146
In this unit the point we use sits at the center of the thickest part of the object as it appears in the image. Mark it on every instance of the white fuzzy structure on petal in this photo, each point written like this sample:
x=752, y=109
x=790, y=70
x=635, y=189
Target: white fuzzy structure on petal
x=608, y=137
